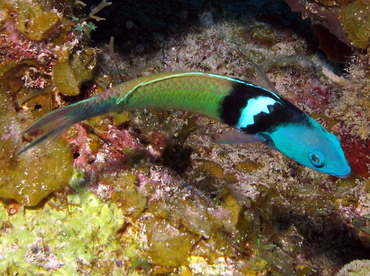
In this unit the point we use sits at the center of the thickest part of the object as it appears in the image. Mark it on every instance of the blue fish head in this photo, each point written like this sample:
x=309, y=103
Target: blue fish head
x=311, y=145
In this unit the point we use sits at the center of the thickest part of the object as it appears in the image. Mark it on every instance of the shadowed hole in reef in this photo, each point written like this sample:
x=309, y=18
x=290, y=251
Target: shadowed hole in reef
x=143, y=26
x=327, y=236
x=177, y=157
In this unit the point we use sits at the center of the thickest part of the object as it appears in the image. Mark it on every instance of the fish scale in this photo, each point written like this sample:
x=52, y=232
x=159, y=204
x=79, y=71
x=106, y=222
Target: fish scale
x=190, y=92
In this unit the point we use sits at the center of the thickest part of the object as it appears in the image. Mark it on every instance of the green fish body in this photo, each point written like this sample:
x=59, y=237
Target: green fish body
x=259, y=114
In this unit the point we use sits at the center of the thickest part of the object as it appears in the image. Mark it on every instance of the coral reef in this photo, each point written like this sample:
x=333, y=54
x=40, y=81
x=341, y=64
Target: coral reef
x=356, y=268
x=148, y=178
x=347, y=21
x=41, y=52
x=66, y=240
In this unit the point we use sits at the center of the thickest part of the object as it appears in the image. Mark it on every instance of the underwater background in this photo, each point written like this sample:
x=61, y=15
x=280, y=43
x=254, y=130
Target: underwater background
x=149, y=192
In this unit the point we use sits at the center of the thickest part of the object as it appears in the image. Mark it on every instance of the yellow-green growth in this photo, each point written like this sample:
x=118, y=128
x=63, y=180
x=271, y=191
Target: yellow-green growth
x=31, y=177
x=52, y=241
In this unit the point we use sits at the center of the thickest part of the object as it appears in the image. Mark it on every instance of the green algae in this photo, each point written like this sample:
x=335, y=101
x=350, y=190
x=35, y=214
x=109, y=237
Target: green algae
x=168, y=245
x=33, y=37
x=20, y=179
x=327, y=3
x=126, y=194
x=355, y=18
x=190, y=229
x=175, y=229
x=69, y=75
x=355, y=268
x=200, y=266
x=78, y=238
x=38, y=36
x=65, y=80
x=33, y=21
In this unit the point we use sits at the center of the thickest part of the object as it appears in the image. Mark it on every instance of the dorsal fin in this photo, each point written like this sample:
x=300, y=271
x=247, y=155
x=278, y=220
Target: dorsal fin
x=265, y=81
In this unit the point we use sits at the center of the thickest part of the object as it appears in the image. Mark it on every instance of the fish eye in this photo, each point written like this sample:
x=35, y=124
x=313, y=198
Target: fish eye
x=316, y=159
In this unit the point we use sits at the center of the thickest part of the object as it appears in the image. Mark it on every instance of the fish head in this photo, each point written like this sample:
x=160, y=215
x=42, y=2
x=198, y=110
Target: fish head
x=311, y=145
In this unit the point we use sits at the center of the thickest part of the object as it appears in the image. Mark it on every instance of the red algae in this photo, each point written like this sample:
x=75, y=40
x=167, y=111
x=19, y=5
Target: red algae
x=358, y=154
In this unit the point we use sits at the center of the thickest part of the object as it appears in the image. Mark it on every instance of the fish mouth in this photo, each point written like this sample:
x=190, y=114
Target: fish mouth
x=346, y=175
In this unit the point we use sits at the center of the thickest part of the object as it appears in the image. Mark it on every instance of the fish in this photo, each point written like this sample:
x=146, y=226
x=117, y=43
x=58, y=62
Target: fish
x=256, y=113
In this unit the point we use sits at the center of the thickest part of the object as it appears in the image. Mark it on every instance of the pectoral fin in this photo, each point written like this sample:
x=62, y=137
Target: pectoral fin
x=237, y=137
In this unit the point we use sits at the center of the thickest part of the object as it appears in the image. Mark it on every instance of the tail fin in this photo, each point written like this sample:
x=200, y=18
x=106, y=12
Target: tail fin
x=55, y=123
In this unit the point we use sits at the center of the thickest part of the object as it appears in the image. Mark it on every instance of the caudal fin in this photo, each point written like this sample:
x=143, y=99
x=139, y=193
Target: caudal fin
x=54, y=124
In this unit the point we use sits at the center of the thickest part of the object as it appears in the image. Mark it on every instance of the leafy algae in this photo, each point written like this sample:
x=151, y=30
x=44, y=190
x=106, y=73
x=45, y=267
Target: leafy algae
x=20, y=178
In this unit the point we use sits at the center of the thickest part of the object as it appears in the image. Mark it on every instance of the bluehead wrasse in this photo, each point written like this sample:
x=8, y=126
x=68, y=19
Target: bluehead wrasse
x=259, y=114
